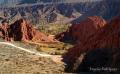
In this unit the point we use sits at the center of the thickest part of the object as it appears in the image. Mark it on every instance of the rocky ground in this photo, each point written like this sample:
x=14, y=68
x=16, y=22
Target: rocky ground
x=14, y=61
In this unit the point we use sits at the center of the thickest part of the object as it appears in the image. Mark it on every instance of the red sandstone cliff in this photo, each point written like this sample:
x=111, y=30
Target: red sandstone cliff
x=107, y=37
x=4, y=31
x=21, y=30
x=79, y=32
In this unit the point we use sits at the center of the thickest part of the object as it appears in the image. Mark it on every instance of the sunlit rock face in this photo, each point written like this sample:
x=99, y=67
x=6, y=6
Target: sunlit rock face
x=21, y=30
x=5, y=30
x=79, y=32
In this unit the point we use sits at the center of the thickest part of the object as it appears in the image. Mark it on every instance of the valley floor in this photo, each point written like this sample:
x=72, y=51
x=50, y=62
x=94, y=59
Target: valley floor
x=17, y=60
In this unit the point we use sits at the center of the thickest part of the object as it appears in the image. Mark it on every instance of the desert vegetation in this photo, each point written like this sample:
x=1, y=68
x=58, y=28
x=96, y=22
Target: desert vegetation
x=53, y=38
x=53, y=28
x=55, y=48
x=58, y=48
x=20, y=62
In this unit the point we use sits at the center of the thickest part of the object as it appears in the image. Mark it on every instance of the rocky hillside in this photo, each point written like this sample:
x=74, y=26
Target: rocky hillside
x=70, y=12
x=105, y=59
x=79, y=32
x=22, y=30
x=107, y=37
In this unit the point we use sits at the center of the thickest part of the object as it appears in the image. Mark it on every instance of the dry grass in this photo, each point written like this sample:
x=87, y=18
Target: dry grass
x=54, y=49
x=53, y=28
x=14, y=61
x=57, y=48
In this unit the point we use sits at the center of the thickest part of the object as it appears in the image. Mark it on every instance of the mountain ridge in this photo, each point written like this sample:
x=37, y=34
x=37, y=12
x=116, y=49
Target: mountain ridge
x=38, y=13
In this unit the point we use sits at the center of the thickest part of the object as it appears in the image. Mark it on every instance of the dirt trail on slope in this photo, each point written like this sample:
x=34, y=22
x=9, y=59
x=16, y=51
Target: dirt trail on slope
x=16, y=61
x=55, y=58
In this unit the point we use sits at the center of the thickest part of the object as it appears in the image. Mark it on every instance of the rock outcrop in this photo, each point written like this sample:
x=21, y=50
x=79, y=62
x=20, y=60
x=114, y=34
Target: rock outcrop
x=21, y=30
x=106, y=37
x=4, y=30
x=79, y=32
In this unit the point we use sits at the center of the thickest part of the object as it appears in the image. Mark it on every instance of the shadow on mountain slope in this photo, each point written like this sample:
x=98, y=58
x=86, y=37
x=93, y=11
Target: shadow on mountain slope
x=100, y=60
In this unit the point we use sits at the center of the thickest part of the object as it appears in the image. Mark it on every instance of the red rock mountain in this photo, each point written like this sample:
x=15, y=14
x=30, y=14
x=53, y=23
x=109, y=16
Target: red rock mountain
x=107, y=37
x=21, y=30
x=79, y=32
x=4, y=32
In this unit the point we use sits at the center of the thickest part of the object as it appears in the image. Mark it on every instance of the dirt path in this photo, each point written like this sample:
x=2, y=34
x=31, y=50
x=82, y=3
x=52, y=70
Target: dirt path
x=55, y=58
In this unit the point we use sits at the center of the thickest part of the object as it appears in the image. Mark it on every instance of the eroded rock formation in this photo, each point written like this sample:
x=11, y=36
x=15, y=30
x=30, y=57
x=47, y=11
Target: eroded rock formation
x=106, y=37
x=79, y=32
x=21, y=30
x=4, y=30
